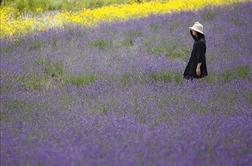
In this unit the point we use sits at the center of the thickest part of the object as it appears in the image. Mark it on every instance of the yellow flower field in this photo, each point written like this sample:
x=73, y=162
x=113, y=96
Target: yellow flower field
x=11, y=25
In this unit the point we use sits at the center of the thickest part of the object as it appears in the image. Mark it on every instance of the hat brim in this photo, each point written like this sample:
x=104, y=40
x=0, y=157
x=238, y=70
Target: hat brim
x=191, y=28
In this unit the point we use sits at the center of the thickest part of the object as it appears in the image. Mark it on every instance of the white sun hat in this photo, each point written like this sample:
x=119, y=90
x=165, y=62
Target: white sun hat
x=197, y=27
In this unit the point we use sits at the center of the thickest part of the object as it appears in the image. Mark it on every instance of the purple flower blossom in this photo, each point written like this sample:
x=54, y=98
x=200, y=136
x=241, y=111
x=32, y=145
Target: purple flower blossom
x=138, y=110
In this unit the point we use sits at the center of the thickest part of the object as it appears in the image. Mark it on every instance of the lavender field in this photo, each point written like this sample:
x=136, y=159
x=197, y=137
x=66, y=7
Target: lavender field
x=115, y=94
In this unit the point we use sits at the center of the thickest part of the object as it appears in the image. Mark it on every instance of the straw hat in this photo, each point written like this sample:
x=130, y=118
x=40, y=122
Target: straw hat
x=197, y=27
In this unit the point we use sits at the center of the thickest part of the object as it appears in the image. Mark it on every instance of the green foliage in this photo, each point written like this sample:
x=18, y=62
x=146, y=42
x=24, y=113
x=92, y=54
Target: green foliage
x=28, y=109
x=164, y=76
x=134, y=33
x=18, y=104
x=167, y=76
x=163, y=117
x=66, y=100
x=174, y=52
x=8, y=86
x=182, y=51
x=124, y=79
x=94, y=3
x=169, y=49
x=127, y=42
x=36, y=45
x=211, y=78
x=250, y=98
x=239, y=72
x=56, y=69
x=154, y=26
x=44, y=5
x=209, y=14
x=5, y=49
x=61, y=125
x=226, y=76
x=33, y=82
x=173, y=25
x=26, y=106
x=53, y=75
x=129, y=37
x=127, y=78
x=103, y=109
x=82, y=79
x=51, y=69
x=158, y=49
x=154, y=76
x=100, y=43
x=227, y=97
x=40, y=61
x=30, y=5
x=178, y=78
x=242, y=71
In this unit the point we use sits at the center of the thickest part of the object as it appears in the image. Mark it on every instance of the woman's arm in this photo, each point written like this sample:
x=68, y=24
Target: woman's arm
x=199, y=53
x=199, y=56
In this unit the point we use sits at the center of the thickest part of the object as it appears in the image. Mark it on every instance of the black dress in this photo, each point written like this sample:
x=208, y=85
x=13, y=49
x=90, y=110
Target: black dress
x=197, y=56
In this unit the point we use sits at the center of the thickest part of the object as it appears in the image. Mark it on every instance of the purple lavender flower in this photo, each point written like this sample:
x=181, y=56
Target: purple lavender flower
x=114, y=96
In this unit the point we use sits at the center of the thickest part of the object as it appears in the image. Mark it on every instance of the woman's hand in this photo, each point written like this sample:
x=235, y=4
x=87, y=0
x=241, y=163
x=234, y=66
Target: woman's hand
x=198, y=71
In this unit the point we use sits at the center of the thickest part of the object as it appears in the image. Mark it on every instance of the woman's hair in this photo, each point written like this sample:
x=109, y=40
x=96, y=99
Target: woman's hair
x=200, y=35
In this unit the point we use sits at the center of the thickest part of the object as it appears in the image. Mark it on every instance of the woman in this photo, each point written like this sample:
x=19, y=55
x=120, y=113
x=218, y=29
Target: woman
x=196, y=67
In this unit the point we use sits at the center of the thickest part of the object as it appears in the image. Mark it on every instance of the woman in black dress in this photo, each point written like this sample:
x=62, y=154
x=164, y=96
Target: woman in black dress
x=196, y=67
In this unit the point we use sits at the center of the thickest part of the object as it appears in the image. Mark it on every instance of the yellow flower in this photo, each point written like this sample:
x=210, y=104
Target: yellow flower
x=11, y=25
